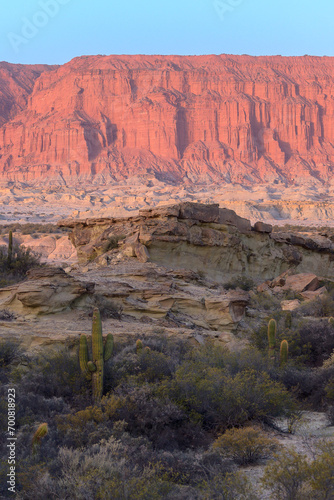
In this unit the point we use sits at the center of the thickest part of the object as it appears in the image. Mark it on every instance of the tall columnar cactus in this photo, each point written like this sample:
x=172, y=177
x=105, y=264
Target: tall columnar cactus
x=10, y=246
x=288, y=319
x=283, y=354
x=272, y=338
x=94, y=370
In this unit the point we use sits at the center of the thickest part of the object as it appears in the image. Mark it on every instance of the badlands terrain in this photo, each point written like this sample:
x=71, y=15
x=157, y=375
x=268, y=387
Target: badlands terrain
x=109, y=135
x=175, y=269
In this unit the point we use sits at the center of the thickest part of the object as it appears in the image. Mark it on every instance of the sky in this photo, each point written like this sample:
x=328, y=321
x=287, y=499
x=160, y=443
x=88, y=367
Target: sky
x=55, y=31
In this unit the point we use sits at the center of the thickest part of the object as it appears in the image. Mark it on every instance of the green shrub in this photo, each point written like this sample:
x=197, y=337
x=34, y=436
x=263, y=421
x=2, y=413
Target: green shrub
x=266, y=302
x=55, y=373
x=95, y=473
x=242, y=282
x=15, y=268
x=320, y=307
x=245, y=446
x=10, y=351
x=292, y=476
x=287, y=475
x=6, y=315
x=220, y=400
x=311, y=343
x=322, y=471
x=231, y=486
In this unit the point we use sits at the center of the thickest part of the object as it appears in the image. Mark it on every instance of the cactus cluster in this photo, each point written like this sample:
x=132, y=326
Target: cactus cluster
x=139, y=346
x=94, y=369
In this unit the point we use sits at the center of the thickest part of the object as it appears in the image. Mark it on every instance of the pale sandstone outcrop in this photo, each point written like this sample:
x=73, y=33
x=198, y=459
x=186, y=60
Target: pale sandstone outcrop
x=46, y=291
x=290, y=305
x=218, y=250
x=139, y=290
x=167, y=267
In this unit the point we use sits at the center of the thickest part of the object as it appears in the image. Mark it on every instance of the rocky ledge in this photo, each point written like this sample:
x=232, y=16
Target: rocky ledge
x=203, y=238
x=135, y=299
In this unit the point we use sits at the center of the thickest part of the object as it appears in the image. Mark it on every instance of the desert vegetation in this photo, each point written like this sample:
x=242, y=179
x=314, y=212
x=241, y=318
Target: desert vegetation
x=162, y=417
x=15, y=261
x=172, y=420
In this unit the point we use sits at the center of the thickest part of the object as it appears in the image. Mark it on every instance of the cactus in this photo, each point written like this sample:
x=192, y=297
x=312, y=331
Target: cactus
x=83, y=357
x=288, y=319
x=272, y=338
x=10, y=246
x=139, y=346
x=283, y=354
x=109, y=347
x=40, y=433
x=94, y=370
x=331, y=321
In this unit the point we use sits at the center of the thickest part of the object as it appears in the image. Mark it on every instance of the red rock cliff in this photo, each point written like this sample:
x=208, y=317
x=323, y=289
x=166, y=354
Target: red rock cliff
x=222, y=118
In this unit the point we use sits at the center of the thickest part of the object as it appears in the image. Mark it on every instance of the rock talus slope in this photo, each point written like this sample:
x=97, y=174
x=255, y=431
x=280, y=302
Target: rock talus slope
x=214, y=118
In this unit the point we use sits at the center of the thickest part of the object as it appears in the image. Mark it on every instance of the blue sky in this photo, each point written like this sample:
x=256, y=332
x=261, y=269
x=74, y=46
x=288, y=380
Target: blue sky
x=55, y=31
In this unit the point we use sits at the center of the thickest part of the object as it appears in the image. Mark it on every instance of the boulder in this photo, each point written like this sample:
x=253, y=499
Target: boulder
x=164, y=211
x=142, y=253
x=261, y=227
x=311, y=242
x=290, y=305
x=129, y=246
x=199, y=211
x=311, y=295
x=230, y=218
x=301, y=282
x=296, y=282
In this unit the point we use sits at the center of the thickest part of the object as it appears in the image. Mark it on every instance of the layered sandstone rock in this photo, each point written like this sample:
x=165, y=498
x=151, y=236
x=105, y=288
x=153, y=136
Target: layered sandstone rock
x=219, y=251
x=47, y=291
x=223, y=118
x=136, y=300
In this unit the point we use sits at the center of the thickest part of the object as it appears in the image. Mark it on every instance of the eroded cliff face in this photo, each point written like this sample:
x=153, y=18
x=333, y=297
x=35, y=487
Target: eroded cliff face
x=224, y=118
x=16, y=84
